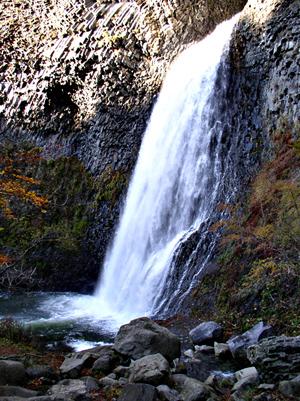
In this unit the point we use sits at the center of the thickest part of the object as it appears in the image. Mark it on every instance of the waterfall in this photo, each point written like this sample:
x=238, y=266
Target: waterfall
x=175, y=185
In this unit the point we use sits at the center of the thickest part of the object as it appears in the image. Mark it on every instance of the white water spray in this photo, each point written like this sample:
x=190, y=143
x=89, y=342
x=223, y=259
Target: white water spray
x=174, y=183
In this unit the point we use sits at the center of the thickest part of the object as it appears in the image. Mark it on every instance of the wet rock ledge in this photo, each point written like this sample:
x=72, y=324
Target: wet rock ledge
x=149, y=363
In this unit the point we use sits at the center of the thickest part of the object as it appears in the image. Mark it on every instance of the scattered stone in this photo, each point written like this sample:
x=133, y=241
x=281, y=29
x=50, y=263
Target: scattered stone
x=266, y=387
x=221, y=350
x=204, y=349
x=167, y=394
x=70, y=389
x=138, y=392
x=244, y=383
x=239, y=344
x=190, y=389
x=246, y=373
x=74, y=363
x=122, y=371
x=90, y=382
x=107, y=360
x=221, y=380
x=12, y=372
x=142, y=337
x=206, y=333
x=151, y=369
x=189, y=353
x=276, y=358
x=290, y=388
x=108, y=382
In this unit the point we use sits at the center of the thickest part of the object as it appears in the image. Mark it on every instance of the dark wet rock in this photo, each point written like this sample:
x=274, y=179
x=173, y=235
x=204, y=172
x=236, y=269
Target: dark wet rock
x=70, y=390
x=142, y=337
x=74, y=363
x=12, y=372
x=151, y=369
x=276, y=358
x=290, y=388
x=238, y=345
x=167, y=394
x=16, y=391
x=107, y=360
x=203, y=349
x=138, y=392
x=206, y=333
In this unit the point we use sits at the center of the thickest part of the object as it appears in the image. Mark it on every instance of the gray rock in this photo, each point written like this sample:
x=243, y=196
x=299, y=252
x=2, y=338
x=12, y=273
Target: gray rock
x=247, y=373
x=238, y=345
x=122, y=371
x=167, y=394
x=138, y=392
x=206, y=333
x=74, y=363
x=266, y=387
x=69, y=389
x=151, y=369
x=189, y=353
x=12, y=372
x=190, y=389
x=90, y=382
x=244, y=383
x=108, y=382
x=142, y=337
x=221, y=350
x=107, y=360
x=290, y=388
x=204, y=349
x=16, y=391
x=276, y=358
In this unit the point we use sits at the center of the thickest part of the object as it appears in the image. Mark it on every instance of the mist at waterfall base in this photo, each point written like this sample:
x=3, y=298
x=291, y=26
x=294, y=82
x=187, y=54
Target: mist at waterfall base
x=172, y=192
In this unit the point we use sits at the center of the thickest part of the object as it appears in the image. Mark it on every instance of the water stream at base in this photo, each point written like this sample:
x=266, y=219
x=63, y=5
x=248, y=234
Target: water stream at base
x=173, y=191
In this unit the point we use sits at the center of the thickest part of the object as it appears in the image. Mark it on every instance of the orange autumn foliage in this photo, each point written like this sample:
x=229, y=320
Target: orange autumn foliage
x=15, y=185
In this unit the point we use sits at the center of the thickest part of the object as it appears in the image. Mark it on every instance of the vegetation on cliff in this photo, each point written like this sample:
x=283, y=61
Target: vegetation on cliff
x=258, y=258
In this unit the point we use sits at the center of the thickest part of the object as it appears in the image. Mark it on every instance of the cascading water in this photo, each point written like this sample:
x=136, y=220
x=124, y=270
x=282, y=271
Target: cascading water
x=175, y=184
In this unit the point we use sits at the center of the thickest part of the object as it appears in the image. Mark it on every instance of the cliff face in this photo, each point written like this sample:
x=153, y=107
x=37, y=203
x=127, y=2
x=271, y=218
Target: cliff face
x=256, y=269
x=79, y=78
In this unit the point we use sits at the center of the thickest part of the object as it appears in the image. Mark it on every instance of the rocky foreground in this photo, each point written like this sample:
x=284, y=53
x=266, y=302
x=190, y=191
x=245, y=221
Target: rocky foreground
x=147, y=363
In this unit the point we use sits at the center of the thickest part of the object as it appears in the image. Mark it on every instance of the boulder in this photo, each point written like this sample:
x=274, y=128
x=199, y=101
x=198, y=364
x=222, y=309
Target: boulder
x=16, y=391
x=107, y=360
x=142, y=337
x=167, y=394
x=74, y=363
x=206, y=333
x=12, y=372
x=138, y=392
x=276, y=358
x=190, y=389
x=238, y=345
x=151, y=369
x=290, y=388
x=69, y=389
